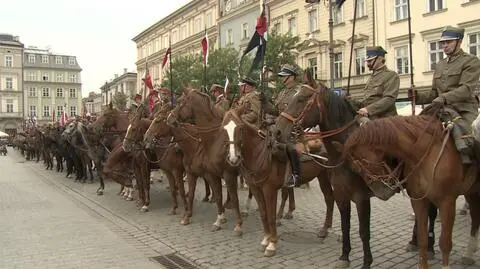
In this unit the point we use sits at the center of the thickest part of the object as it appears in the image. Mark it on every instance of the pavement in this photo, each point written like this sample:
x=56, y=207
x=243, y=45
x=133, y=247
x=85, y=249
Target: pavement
x=49, y=221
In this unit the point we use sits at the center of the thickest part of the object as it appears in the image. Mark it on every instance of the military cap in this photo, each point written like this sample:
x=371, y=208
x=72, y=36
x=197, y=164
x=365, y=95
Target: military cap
x=138, y=96
x=164, y=90
x=216, y=87
x=288, y=70
x=373, y=52
x=245, y=80
x=452, y=33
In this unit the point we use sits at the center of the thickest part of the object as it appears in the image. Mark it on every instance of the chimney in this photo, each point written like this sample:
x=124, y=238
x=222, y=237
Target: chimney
x=125, y=70
x=116, y=75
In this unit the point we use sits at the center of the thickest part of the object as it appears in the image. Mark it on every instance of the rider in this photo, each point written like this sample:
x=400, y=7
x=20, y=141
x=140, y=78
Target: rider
x=250, y=103
x=221, y=103
x=453, y=86
x=381, y=90
x=137, y=101
x=164, y=105
x=281, y=101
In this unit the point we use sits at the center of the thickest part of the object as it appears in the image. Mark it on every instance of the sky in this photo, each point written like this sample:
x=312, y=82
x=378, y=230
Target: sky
x=98, y=32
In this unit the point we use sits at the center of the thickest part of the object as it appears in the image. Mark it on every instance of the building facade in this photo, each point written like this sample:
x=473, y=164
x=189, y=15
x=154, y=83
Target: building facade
x=125, y=83
x=184, y=28
x=236, y=22
x=11, y=84
x=93, y=103
x=428, y=19
x=52, y=84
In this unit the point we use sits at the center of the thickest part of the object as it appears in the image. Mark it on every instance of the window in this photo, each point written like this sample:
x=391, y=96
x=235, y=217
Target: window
x=209, y=19
x=292, y=26
x=59, y=92
x=73, y=111
x=155, y=46
x=277, y=27
x=8, y=61
x=435, y=5
x=31, y=58
x=32, y=92
x=33, y=111
x=175, y=36
x=474, y=44
x=183, y=32
x=360, y=8
x=59, y=111
x=9, y=105
x=45, y=77
x=401, y=10
x=58, y=60
x=165, y=42
x=73, y=93
x=32, y=76
x=198, y=25
x=312, y=21
x=337, y=15
x=8, y=83
x=72, y=78
x=360, y=61
x=71, y=61
x=312, y=63
x=245, y=31
x=44, y=59
x=401, y=60
x=46, y=111
x=60, y=78
x=45, y=92
x=436, y=54
x=229, y=39
x=338, y=65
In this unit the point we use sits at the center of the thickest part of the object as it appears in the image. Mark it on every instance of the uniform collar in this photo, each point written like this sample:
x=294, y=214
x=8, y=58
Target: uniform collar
x=379, y=70
x=455, y=56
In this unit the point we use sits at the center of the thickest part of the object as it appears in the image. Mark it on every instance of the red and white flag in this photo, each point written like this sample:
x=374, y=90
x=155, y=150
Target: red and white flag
x=166, y=60
x=205, y=48
x=148, y=79
x=63, y=117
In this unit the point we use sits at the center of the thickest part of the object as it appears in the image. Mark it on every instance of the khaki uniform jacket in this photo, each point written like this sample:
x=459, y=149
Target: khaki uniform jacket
x=222, y=104
x=455, y=79
x=380, y=94
x=249, y=107
x=161, y=109
x=284, y=97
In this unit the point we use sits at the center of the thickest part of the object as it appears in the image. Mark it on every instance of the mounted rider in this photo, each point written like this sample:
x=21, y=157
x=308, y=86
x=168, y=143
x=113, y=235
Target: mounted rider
x=453, y=85
x=164, y=106
x=134, y=106
x=281, y=100
x=221, y=103
x=251, y=101
x=381, y=90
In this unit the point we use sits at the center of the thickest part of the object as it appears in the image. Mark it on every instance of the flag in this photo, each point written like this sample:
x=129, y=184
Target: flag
x=258, y=40
x=166, y=58
x=53, y=114
x=339, y=3
x=205, y=48
x=148, y=79
x=63, y=117
x=225, y=89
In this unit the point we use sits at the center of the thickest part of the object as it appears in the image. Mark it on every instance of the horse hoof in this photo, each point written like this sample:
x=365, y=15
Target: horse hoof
x=99, y=192
x=227, y=206
x=279, y=223
x=129, y=199
x=279, y=216
x=269, y=253
x=237, y=232
x=244, y=214
x=288, y=215
x=366, y=266
x=467, y=261
x=205, y=200
x=185, y=221
x=144, y=208
x=342, y=264
x=430, y=255
x=462, y=212
x=411, y=248
x=172, y=212
x=322, y=233
x=216, y=228
x=211, y=201
x=263, y=248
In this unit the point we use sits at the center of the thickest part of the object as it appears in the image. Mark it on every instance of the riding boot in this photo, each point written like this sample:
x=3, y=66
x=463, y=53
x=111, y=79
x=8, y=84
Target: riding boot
x=295, y=164
x=463, y=142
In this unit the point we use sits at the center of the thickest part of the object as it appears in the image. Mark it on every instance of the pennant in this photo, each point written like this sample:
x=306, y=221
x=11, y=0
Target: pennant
x=258, y=40
x=225, y=89
x=166, y=58
x=148, y=80
x=205, y=48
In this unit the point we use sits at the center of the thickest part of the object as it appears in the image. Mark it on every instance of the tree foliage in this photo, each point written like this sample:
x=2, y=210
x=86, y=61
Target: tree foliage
x=120, y=100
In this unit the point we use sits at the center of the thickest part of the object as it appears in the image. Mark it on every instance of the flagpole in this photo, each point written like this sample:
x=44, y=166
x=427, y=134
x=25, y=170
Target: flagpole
x=262, y=69
x=205, y=64
x=351, y=46
x=412, y=85
x=170, y=68
x=144, y=82
x=330, y=48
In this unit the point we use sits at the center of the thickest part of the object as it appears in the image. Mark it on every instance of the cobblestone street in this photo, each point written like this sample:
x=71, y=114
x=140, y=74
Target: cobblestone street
x=49, y=221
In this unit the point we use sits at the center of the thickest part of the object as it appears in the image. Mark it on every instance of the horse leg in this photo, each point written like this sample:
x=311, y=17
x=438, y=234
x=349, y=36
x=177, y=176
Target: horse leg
x=173, y=192
x=100, y=189
x=474, y=203
x=260, y=198
x=282, y=205
x=232, y=189
x=327, y=191
x=216, y=184
x=178, y=178
x=207, y=191
x=248, y=202
x=345, y=210
x=420, y=207
x=90, y=171
x=271, y=193
x=447, y=214
x=146, y=185
x=363, y=212
x=291, y=204
x=412, y=245
x=192, y=184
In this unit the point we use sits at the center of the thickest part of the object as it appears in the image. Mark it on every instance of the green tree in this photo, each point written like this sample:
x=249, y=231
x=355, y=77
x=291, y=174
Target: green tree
x=186, y=70
x=120, y=100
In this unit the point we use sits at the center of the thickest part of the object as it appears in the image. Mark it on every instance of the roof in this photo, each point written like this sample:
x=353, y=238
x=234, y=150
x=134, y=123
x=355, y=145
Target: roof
x=10, y=40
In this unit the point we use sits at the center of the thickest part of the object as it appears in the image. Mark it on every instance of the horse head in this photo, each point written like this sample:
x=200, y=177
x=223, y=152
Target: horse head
x=134, y=130
x=233, y=126
x=158, y=128
x=111, y=119
x=194, y=107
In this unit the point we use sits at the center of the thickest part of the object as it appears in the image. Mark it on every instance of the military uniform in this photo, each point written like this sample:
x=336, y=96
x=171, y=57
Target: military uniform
x=284, y=97
x=221, y=103
x=381, y=91
x=453, y=85
x=250, y=104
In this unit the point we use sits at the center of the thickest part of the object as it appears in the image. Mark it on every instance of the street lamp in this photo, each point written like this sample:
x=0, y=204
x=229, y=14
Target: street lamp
x=330, y=47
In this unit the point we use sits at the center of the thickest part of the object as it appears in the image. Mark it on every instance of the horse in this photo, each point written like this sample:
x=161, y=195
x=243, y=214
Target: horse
x=162, y=154
x=315, y=105
x=204, y=146
x=75, y=134
x=433, y=172
x=264, y=174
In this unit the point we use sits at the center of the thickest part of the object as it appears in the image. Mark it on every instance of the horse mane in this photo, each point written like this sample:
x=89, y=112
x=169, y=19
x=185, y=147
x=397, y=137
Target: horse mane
x=211, y=106
x=337, y=107
x=386, y=131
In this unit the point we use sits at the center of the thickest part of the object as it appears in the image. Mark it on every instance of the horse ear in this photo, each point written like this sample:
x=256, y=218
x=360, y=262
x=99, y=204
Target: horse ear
x=338, y=146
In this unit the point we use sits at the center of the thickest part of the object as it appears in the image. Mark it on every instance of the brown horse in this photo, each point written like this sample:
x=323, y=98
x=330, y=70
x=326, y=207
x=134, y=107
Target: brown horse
x=315, y=105
x=265, y=175
x=433, y=172
x=162, y=154
x=204, y=146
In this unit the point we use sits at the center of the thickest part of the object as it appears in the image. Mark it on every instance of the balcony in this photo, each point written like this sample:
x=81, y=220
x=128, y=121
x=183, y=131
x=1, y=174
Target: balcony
x=11, y=115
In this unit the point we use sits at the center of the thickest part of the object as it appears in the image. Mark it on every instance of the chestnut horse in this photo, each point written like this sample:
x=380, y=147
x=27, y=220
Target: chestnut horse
x=433, y=173
x=204, y=145
x=265, y=175
x=162, y=154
